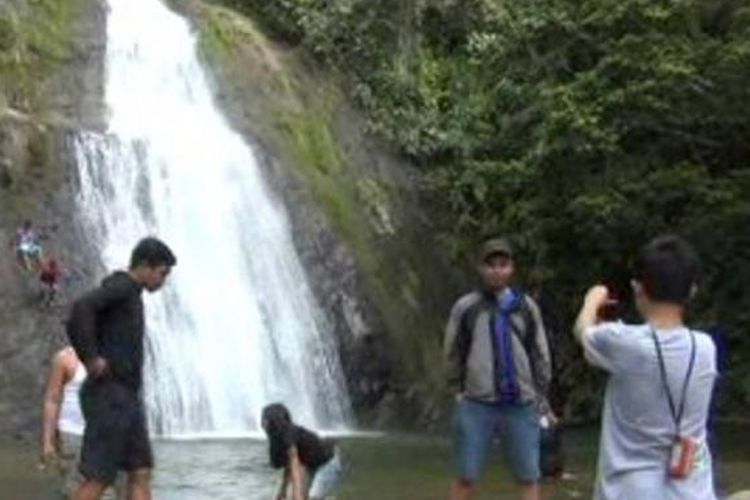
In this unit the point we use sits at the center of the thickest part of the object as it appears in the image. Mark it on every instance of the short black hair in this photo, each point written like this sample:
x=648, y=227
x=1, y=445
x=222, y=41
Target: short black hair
x=668, y=268
x=153, y=253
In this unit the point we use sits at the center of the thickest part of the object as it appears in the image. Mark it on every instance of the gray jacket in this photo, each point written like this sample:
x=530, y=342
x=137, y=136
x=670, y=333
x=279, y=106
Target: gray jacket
x=470, y=354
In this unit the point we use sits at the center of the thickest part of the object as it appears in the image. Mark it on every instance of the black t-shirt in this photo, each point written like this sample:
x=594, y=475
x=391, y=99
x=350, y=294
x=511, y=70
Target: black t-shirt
x=311, y=449
x=108, y=321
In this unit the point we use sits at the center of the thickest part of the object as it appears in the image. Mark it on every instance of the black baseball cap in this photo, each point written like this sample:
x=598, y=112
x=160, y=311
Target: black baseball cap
x=495, y=246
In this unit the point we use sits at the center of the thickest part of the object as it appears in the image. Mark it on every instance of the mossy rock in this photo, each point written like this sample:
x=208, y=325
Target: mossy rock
x=32, y=43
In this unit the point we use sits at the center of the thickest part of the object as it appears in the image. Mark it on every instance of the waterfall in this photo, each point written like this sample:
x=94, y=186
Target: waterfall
x=237, y=325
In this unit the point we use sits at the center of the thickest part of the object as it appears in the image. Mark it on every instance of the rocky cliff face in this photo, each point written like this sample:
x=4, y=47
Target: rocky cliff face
x=50, y=88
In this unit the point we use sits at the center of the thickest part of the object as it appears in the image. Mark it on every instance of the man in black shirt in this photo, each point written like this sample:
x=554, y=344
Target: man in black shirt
x=106, y=328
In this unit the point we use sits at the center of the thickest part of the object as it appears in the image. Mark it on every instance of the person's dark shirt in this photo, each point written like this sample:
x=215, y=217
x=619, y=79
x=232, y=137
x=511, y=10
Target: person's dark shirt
x=108, y=322
x=312, y=450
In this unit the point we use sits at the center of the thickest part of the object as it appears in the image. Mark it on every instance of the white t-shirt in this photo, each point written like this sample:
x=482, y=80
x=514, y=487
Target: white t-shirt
x=637, y=426
x=70, y=420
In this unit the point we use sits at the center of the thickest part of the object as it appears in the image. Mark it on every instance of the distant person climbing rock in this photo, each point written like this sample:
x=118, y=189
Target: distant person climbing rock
x=311, y=465
x=50, y=275
x=27, y=246
x=107, y=327
x=62, y=419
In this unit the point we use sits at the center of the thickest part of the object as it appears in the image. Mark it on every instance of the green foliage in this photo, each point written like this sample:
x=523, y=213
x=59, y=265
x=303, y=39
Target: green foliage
x=580, y=127
x=32, y=42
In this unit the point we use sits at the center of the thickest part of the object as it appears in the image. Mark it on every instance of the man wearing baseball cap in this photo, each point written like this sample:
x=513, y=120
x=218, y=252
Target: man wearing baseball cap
x=499, y=368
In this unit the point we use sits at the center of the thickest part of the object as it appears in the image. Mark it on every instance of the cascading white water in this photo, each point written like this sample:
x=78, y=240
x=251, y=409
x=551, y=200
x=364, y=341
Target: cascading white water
x=237, y=326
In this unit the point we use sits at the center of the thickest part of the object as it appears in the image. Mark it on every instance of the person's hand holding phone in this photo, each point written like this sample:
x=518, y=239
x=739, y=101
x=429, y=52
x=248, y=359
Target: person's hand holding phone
x=609, y=309
x=600, y=299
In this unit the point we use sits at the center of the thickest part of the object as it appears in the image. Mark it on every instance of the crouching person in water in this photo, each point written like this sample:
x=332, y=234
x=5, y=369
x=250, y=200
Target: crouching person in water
x=312, y=465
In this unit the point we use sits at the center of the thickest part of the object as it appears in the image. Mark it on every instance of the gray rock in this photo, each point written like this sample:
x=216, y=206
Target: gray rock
x=37, y=182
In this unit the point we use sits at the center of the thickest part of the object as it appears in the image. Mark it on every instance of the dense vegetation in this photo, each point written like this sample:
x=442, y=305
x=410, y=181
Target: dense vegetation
x=581, y=127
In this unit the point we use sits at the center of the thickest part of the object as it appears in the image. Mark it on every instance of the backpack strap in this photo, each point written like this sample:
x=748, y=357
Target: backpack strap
x=529, y=322
x=465, y=336
x=529, y=338
x=469, y=319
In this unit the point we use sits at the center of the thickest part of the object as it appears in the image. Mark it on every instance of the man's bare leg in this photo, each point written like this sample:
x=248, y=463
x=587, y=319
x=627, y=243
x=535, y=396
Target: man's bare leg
x=529, y=491
x=90, y=489
x=139, y=484
x=462, y=489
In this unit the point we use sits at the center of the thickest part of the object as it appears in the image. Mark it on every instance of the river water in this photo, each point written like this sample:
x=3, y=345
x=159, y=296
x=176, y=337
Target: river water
x=384, y=467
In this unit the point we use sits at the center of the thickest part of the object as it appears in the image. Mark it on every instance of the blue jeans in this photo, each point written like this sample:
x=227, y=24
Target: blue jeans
x=476, y=425
x=327, y=478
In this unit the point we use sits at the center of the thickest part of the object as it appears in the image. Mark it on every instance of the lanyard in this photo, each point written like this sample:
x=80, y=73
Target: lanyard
x=676, y=412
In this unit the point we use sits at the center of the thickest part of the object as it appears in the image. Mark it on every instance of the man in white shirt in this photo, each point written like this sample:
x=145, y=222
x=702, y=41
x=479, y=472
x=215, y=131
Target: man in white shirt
x=661, y=375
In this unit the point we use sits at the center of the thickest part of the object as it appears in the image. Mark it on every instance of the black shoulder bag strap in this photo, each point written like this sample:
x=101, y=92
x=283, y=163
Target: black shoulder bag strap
x=465, y=336
x=527, y=338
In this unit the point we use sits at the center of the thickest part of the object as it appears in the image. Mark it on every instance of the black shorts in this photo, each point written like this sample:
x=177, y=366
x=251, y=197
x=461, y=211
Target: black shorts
x=116, y=436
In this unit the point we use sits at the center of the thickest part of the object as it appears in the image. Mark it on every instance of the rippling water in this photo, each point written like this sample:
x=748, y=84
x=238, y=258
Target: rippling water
x=388, y=467
x=216, y=470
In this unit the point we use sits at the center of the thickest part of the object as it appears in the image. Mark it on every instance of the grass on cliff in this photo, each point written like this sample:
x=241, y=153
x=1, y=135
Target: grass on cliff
x=352, y=206
x=32, y=42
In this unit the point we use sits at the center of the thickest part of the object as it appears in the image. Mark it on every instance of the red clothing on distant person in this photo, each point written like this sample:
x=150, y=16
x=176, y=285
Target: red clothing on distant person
x=50, y=272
